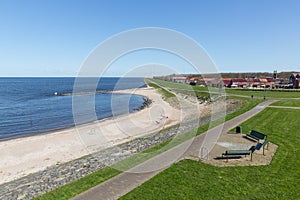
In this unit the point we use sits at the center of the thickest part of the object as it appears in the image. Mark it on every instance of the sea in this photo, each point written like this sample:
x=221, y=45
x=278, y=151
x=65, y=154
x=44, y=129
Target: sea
x=30, y=106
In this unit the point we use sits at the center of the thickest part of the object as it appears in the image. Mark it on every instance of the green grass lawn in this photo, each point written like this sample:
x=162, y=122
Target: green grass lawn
x=81, y=185
x=292, y=103
x=182, y=88
x=177, y=86
x=262, y=93
x=72, y=189
x=162, y=91
x=204, y=91
x=196, y=180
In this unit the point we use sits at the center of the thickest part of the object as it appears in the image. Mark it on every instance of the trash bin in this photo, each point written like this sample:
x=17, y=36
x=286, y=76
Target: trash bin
x=238, y=129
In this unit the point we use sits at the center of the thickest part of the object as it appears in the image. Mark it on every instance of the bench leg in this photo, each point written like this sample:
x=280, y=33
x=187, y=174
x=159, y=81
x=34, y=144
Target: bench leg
x=226, y=157
x=251, y=156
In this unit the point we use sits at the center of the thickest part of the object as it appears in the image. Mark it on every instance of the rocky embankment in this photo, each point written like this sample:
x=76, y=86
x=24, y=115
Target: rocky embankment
x=62, y=173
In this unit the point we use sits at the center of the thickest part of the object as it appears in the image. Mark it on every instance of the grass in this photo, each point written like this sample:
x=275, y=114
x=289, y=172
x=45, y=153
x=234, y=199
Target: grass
x=291, y=103
x=204, y=91
x=177, y=86
x=262, y=93
x=72, y=189
x=196, y=180
x=166, y=95
x=248, y=104
x=164, y=146
x=201, y=92
x=164, y=92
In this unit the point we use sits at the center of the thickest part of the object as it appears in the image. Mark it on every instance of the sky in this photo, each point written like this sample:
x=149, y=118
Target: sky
x=55, y=37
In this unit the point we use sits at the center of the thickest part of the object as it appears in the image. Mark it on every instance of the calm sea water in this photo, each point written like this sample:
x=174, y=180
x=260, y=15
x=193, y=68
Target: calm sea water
x=28, y=106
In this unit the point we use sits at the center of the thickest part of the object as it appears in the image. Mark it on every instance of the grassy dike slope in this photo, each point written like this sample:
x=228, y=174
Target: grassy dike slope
x=195, y=180
x=72, y=189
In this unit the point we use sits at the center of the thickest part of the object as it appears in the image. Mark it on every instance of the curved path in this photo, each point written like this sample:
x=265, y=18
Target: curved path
x=127, y=181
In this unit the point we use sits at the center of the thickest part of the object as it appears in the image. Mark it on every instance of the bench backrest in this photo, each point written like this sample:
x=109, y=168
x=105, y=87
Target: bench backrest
x=265, y=142
x=258, y=134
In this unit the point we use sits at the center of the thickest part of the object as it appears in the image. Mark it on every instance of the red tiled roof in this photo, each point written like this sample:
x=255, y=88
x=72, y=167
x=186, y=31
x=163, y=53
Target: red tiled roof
x=226, y=82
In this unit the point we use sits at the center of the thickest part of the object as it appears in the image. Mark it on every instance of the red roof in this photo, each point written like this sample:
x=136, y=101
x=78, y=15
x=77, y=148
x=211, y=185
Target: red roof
x=226, y=82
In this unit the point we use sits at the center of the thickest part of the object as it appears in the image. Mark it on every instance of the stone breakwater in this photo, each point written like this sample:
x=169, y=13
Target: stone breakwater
x=147, y=102
x=56, y=176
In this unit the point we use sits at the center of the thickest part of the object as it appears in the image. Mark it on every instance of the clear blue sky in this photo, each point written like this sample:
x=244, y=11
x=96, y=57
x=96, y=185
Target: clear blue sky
x=53, y=37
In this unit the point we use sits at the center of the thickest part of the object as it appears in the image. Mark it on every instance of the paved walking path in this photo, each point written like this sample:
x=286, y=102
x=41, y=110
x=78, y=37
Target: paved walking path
x=127, y=181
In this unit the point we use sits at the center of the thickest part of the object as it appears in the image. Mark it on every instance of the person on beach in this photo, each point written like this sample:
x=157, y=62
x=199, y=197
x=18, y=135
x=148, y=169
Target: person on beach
x=164, y=117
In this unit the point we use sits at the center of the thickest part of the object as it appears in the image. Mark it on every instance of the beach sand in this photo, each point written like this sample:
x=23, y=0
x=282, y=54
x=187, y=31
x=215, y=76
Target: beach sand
x=22, y=156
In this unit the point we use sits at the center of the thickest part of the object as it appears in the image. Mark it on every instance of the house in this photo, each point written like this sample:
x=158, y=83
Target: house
x=256, y=82
x=180, y=79
x=270, y=82
x=294, y=80
x=196, y=81
x=239, y=82
x=297, y=83
x=227, y=82
x=212, y=82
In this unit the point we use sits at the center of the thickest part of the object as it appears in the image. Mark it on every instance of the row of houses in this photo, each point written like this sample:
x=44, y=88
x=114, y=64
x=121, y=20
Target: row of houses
x=269, y=82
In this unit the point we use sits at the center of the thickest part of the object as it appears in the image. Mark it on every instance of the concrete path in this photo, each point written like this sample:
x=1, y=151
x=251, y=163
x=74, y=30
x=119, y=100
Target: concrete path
x=127, y=181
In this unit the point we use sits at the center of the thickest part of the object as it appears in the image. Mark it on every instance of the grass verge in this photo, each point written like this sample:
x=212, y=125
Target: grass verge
x=291, y=103
x=261, y=93
x=196, y=180
x=166, y=94
x=200, y=92
x=72, y=189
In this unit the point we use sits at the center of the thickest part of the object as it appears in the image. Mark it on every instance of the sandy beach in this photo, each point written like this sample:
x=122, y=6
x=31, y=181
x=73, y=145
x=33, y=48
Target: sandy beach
x=22, y=156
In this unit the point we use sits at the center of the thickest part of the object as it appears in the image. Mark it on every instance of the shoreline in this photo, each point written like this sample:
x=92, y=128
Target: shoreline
x=49, y=131
x=60, y=146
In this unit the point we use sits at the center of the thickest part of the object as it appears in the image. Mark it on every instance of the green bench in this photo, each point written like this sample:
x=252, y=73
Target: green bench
x=255, y=135
x=256, y=147
x=237, y=153
x=259, y=145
